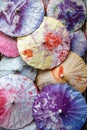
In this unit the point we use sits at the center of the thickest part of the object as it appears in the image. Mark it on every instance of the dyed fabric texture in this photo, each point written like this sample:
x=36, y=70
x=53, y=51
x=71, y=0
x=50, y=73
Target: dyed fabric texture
x=58, y=105
x=47, y=47
x=72, y=13
x=20, y=17
x=8, y=46
x=17, y=94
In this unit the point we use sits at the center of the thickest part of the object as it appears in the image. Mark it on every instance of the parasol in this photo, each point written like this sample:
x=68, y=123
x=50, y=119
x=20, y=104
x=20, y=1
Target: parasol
x=17, y=66
x=78, y=43
x=17, y=94
x=8, y=46
x=20, y=17
x=59, y=102
x=72, y=13
x=47, y=47
x=73, y=71
x=32, y=126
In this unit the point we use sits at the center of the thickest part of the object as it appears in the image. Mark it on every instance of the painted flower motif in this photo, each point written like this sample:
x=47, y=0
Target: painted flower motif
x=71, y=13
x=52, y=41
x=51, y=125
x=28, y=53
x=60, y=55
x=64, y=52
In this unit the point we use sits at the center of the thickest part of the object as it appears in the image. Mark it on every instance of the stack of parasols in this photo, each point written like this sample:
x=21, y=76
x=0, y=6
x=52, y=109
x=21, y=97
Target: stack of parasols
x=42, y=72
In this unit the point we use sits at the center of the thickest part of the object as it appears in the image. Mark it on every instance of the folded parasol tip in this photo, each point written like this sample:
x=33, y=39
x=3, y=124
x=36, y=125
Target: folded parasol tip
x=60, y=111
x=12, y=100
x=61, y=75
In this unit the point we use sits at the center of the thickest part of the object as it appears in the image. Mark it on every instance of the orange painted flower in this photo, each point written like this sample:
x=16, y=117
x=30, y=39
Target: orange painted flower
x=59, y=73
x=28, y=53
x=79, y=78
x=52, y=41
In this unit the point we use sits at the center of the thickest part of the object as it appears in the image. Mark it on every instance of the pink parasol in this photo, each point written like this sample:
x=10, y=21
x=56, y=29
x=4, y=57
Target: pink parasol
x=8, y=46
x=17, y=94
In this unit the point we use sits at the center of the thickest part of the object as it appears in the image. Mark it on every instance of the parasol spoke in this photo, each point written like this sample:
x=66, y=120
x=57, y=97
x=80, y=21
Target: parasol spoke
x=77, y=113
x=9, y=117
x=76, y=118
x=3, y=118
x=18, y=116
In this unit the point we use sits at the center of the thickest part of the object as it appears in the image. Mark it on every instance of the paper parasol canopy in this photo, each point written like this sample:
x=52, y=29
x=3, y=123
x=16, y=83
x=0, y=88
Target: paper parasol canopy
x=72, y=13
x=16, y=66
x=59, y=101
x=47, y=47
x=8, y=46
x=78, y=42
x=73, y=71
x=20, y=17
x=32, y=126
x=17, y=94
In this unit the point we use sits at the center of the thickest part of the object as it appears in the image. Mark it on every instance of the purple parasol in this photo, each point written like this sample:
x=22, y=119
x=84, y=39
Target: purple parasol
x=72, y=13
x=58, y=105
x=8, y=46
x=78, y=43
x=20, y=17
